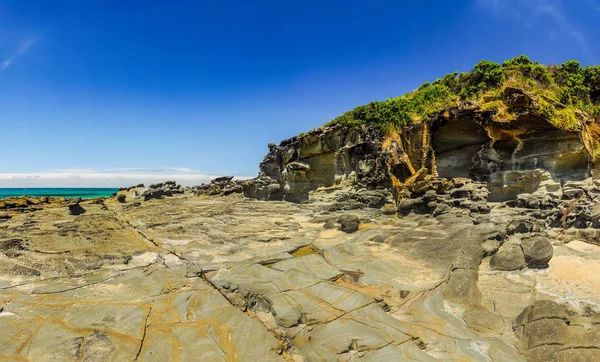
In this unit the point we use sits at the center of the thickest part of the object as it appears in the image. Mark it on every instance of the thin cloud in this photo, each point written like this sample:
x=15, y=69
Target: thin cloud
x=23, y=48
x=85, y=177
x=561, y=20
x=594, y=4
x=549, y=9
x=500, y=7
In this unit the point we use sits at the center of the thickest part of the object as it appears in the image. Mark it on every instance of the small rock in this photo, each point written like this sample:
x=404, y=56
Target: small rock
x=388, y=209
x=405, y=205
x=430, y=195
x=509, y=258
x=121, y=197
x=441, y=209
x=520, y=227
x=432, y=205
x=329, y=224
x=348, y=223
x=379, y=238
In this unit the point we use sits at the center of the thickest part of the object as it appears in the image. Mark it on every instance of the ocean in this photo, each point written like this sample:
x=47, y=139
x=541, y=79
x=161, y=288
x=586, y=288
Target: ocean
x=84, y=193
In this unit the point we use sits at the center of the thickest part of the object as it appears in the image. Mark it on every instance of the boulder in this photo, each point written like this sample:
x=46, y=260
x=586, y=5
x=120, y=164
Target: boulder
x=519, y=98
x=538, y=251
x=441, y=209
x=121, y=197
x=348, y=223
x=152, y=193
x=222, y=179
x=405, y=206
x=509, y=258
x=75, y=208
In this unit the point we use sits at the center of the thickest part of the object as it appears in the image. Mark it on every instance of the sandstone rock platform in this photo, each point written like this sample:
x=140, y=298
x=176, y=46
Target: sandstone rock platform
x=229, y=278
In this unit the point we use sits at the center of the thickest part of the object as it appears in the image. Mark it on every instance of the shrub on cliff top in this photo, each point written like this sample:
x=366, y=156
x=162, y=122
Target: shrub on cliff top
x=569, y=84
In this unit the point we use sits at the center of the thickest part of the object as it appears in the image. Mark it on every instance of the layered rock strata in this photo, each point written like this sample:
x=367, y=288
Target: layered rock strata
x=466, y=141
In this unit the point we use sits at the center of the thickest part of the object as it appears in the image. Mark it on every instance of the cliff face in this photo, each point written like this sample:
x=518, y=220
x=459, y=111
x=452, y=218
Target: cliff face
x=512, y=156
x=324, y=157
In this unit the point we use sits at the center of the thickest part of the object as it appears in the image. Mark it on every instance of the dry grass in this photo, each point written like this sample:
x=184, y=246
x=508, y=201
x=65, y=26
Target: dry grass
x=594, y=130
x=502, y=114
x=564, y=117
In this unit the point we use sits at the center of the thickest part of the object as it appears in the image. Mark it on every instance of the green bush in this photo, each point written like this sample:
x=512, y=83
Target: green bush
x=517, y=61
x=569, y=83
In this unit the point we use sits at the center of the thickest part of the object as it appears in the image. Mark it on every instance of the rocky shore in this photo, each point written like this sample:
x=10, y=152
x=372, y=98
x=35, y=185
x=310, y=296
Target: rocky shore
x=462, y=238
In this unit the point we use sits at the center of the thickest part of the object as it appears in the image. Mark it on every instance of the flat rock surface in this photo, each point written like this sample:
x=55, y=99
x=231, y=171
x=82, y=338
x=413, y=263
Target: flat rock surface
x=233, y=279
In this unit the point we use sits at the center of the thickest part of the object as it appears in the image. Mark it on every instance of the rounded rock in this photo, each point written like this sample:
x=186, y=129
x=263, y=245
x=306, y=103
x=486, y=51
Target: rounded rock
x=510, y=258
x=348, y=223
x=538, y=251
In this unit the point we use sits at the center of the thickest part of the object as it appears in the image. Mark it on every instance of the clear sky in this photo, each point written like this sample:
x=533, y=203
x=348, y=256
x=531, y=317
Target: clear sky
x=103, y=93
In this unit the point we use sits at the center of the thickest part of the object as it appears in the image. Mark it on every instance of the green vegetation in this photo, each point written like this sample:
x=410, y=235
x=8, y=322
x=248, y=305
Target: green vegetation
x=562, y=90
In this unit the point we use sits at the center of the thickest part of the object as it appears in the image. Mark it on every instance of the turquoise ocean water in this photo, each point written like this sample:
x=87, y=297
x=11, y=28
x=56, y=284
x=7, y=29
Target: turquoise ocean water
x=84, y=193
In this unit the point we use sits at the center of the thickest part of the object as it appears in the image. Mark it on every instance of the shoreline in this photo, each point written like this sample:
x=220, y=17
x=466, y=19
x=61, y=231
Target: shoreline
x=68, y=193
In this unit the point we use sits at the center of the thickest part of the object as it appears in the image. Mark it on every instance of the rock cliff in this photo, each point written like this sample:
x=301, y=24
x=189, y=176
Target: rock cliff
x=322, y=158
x=511, y=156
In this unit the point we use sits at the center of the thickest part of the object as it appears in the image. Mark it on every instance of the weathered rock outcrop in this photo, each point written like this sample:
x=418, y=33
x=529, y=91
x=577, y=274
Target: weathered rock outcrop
x=322, y=158
x=224, y=185
x=512, y=156
x=548, y=333
x=29, y=203
x=154, y=191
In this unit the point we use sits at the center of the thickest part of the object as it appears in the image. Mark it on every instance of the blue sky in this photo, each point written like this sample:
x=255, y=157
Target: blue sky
x=104, y=93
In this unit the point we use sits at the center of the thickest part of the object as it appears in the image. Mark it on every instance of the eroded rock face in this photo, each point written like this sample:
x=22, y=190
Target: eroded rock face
x=322, y=158
x=516, y=156
x=512, y=157
x=548, y=333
